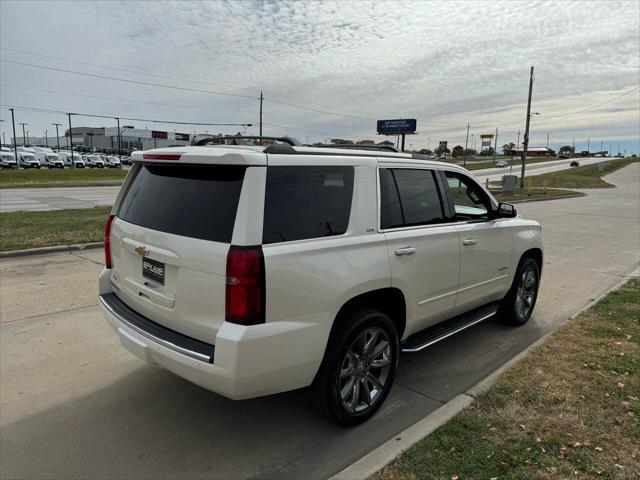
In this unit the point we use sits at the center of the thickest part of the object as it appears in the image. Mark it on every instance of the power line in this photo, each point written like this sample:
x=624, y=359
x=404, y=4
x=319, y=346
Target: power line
x=137, y=72
x=127, y=80
x=595, y=106
x=143, y=102
x=95, y=115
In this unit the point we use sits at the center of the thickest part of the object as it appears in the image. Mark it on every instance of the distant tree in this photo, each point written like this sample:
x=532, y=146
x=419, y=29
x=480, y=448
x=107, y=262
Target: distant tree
x=441, y=150
x=425, y=151
x=567, y=149
x=457, y=151
x=487, y=152
x=552, y=152
x=507, y=148
x=470, y=152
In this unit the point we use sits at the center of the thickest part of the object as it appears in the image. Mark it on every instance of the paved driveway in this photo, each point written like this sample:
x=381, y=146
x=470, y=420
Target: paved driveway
x=74, y=404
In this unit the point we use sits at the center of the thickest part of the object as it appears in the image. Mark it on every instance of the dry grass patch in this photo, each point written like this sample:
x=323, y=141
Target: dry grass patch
x=570, y=409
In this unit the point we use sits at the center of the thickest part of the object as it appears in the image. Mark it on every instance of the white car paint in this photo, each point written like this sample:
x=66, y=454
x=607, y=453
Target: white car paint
x=307, y=281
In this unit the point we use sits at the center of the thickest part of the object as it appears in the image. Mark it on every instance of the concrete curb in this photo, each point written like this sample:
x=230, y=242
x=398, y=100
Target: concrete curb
x=549, y=199
x=384, y=454
x=56, y=249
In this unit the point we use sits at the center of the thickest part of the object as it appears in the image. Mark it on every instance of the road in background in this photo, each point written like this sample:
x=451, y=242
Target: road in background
x=42, y=199
x=75, y=404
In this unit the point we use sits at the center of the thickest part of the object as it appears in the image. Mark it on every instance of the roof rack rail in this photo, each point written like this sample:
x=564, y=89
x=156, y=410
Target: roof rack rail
x=386, y=148
x=235, y=138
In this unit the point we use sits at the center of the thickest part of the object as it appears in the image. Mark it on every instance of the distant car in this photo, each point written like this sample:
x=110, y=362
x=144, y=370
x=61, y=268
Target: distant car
x=126, y=160
x=7, y=159
x=563, y=155
x=48, y=158
x=27, y=158
x=574, y=163
x=94, y=161
x=112, y=161
x=501, y=164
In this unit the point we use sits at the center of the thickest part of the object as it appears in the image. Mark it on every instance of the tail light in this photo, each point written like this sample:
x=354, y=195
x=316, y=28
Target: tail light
x=245, y=292
x=107, y=242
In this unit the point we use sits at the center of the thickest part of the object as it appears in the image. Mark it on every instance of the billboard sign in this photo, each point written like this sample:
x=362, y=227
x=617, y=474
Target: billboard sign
x=486, y=140
x=397, y=126
x=443, y=144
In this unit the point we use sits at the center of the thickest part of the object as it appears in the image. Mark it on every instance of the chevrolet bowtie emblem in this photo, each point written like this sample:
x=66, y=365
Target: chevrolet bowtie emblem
x=141, y=251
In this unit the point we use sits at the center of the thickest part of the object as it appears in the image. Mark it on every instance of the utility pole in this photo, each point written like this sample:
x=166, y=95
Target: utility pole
x=547, y=140
x=495, y=147
x=573, y=145
x=24, y=135
x=466, y=144
x=261, y=99
x=119, y=146
x=600, y=146
x=15, y=143
x=609, y=148
x=588, y=146
x=57, y=135
x=46, y=138
x=526, y=131
x=71, y=140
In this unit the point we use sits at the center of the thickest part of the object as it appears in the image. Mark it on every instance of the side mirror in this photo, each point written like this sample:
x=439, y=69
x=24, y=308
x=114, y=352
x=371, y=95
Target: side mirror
x=506, y=210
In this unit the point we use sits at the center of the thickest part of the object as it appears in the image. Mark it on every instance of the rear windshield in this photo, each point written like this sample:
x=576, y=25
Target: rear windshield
x=197, y=201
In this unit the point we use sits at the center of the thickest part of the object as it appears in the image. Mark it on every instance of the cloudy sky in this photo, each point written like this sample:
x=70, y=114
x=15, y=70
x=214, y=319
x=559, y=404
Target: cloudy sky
x=330, y=69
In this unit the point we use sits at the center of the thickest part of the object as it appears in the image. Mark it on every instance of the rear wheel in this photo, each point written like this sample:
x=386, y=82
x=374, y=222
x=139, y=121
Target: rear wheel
x=516, y=308
x=358, y=368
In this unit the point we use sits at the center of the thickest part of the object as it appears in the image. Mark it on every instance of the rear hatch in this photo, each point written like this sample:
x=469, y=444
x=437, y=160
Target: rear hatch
x=169, y=244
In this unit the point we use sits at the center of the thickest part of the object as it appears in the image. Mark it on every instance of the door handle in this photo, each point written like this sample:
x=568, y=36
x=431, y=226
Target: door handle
x=405, y=251
x=469, y=241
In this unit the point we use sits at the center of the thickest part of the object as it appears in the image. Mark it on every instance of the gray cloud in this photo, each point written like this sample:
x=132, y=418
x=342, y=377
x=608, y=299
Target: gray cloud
x=445, y=63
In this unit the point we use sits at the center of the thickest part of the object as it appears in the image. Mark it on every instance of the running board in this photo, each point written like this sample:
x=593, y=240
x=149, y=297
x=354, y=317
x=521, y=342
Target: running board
x=427, y=337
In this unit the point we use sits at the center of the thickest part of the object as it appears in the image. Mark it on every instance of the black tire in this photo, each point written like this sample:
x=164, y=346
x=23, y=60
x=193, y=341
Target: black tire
x=517, y=306
x=325, y=391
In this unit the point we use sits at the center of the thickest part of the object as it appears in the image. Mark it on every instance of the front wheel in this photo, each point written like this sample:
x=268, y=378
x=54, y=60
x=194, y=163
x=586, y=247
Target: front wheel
x=358, y=368
x=517, y=306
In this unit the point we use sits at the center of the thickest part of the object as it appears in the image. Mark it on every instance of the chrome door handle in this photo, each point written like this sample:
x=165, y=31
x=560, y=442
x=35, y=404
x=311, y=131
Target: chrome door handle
x=469, y=241
x=405, y=251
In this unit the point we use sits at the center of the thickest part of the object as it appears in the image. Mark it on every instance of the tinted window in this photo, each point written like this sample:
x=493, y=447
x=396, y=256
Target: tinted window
x=198, y=201
x=390, y=209
x=419, y=198
x=306, y=202
x=469, y=200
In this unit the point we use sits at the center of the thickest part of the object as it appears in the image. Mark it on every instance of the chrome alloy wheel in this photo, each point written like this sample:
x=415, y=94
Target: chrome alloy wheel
x=365, y=370
x=527, y=289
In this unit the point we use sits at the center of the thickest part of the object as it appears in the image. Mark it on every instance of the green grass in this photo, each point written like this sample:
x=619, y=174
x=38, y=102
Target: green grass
x=588, y=176
x=570, y=409
x=20, y=230
x=61, y=177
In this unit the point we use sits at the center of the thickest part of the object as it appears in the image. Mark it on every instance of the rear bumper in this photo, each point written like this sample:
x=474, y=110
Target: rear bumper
x=245, y=362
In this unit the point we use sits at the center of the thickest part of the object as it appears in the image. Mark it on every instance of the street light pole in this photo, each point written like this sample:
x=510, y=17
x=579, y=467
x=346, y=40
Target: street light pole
x=71, y=140
x=24, y=135
x=46, y=138
x=466, y=147
x=15, y=143
x=526, y=131
x=57, y=135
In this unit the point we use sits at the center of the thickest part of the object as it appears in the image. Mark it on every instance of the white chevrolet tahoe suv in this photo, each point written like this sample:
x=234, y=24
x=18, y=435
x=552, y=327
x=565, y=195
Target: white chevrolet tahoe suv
x=250, y=270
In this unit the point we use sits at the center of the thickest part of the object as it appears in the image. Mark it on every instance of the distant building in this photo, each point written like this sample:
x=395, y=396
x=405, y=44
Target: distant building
x=341, y=141
x=531, y=152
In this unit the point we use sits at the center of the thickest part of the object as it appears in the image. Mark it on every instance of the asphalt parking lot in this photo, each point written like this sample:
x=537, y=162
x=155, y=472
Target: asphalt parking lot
x=74, y=404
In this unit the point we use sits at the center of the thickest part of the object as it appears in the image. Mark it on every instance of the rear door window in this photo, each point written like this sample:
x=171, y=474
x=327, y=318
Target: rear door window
x=409, y=197
x=197, y=201
x=306, y=202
